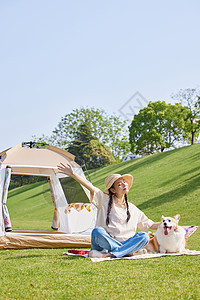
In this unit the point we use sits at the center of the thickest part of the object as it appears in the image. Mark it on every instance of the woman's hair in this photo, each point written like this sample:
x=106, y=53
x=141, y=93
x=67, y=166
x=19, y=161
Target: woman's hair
x=127, y=206
x=110, y=206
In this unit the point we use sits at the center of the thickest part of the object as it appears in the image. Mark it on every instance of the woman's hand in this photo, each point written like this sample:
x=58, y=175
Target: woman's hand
x=155, y=225
x=66, y=169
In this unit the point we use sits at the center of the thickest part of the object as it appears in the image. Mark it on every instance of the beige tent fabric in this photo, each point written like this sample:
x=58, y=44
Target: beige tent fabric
x=43, y=162
x=55, y=222
x=38, y=162
x=43, y=240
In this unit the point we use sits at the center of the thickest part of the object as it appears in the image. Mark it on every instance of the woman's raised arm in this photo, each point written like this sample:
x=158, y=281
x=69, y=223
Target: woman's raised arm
x=67, y=169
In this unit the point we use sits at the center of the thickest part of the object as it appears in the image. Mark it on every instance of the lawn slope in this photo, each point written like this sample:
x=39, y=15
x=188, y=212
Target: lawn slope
x=166, y=183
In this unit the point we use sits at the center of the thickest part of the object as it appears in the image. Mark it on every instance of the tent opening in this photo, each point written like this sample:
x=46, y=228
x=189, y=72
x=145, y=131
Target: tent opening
x=73, y=192
x=21, y=180
x=30, y=206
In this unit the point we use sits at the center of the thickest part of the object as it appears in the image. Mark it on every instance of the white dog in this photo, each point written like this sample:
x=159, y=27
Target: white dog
x=169, y=237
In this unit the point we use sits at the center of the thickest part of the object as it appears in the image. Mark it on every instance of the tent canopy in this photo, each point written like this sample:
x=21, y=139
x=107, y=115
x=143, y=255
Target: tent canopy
x=37, y=162
x=68, y=218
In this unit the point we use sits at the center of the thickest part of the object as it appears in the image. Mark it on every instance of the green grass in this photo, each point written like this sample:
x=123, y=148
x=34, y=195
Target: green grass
x=46, y=274
x=31, y=207
x=164, y=184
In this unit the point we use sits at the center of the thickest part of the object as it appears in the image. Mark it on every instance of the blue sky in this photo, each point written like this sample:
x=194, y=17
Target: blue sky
x=59, y=55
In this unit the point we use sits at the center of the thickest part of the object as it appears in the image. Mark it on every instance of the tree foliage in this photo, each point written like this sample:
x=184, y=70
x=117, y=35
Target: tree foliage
x=84, y=128
x=157, y=127
x=109, y=130
x=190, y=98
x=81, y=139
x=97, y=154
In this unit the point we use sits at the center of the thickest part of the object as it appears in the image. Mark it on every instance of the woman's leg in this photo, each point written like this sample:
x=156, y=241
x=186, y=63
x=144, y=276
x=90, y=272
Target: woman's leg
x=101, y=240
x=133, y=244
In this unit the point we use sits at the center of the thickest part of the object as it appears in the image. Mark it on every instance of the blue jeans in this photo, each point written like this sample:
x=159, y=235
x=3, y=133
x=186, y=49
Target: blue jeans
x=101, y=240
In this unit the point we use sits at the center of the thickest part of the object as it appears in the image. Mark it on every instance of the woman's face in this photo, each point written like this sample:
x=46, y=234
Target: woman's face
x=120, y=187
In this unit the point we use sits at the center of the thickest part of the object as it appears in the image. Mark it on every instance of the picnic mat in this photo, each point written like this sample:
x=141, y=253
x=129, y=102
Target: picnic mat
x=138, y=256
x=189, y=231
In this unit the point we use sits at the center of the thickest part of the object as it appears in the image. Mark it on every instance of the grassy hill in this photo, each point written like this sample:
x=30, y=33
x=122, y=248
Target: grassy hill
x=166, y=183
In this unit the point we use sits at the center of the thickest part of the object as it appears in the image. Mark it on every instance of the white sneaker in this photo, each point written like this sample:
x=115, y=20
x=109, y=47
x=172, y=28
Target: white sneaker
x=96, y=254
x=141, y=251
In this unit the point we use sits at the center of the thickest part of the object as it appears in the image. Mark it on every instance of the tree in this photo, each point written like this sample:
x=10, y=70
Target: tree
x=97, y=154
x=83, y=128
x=81, y=139
x=87, y=148
x=157, y=127
x=109, y=130
x=190, y=98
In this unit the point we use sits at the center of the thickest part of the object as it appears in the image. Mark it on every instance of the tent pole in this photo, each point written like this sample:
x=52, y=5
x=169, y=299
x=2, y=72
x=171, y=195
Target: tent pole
x=84, y=165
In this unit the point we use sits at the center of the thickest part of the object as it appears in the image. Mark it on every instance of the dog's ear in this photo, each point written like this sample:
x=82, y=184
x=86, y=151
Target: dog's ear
x=176, y=227
x=162, y=218
x=177, y=217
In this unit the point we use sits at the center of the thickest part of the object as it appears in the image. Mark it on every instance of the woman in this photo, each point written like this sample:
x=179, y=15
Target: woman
x=117, y=219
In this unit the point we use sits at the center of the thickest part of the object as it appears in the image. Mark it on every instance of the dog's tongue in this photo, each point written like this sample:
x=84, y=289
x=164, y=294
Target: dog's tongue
x=166, y=230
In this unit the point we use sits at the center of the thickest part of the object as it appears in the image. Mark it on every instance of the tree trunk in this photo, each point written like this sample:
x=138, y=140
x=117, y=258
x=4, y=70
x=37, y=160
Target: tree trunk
x=21, y=180
x=193, y=134
x=192, y=139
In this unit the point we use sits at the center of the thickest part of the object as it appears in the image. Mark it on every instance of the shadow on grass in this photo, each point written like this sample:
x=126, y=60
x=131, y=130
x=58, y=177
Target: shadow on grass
x=148, y=161
x=39, y=194
x=175, y=194
x=73, y=257
x=196, y=156
x=25, y=188
x=28, y=256
x=181, y=175
x=131, y=166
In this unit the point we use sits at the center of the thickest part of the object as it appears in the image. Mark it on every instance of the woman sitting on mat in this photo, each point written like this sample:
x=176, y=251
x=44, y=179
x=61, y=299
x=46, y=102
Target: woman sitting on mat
x=117, y=219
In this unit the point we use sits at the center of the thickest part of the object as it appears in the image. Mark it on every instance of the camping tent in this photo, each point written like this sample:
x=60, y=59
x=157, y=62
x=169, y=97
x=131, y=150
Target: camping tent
x=74, y=217
x=130, y=156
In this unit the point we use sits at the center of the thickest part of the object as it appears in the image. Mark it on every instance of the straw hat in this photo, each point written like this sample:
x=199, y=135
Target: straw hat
x=113, y=177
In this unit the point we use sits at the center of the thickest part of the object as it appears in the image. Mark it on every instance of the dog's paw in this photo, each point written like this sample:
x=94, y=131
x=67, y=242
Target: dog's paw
x=163, y=250
x=142, y=251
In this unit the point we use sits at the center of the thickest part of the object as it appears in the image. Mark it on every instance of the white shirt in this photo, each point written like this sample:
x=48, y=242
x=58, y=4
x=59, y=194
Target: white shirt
x=118, y=227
